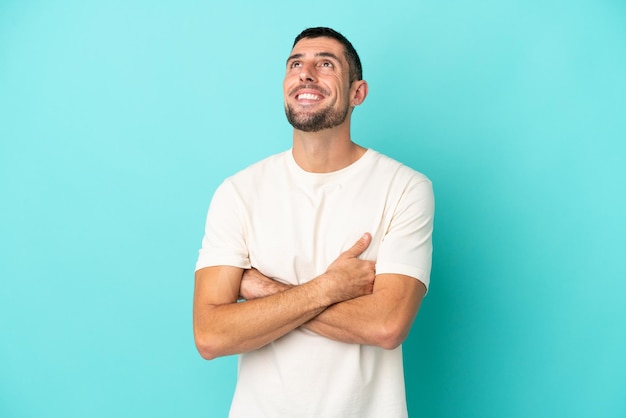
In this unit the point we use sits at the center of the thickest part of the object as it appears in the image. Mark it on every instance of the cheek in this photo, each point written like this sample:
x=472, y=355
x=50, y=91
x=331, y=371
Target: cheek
x=289, y=82
x=286, y=89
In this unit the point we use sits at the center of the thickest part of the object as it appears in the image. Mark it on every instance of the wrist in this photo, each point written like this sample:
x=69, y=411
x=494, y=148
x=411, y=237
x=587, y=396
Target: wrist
x=327, y=288
x=273, y=287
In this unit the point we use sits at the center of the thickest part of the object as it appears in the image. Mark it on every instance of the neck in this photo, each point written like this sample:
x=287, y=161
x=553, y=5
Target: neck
x=325, y=151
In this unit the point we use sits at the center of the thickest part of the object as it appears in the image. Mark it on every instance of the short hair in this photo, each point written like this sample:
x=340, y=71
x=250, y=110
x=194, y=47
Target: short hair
x=354, y=62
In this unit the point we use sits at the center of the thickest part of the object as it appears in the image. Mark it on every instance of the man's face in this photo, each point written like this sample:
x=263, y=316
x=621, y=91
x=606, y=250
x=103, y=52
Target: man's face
x=317, y=87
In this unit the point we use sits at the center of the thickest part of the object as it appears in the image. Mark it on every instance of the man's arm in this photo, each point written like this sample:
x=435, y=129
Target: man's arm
x=382, y=318
x=222, y=326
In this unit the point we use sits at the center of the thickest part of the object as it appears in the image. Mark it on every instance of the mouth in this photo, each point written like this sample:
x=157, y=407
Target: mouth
x=308, y=93
x=308, y=97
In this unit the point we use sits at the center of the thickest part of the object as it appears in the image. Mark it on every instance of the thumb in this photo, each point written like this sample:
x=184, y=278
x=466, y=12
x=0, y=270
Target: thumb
x=360, y=246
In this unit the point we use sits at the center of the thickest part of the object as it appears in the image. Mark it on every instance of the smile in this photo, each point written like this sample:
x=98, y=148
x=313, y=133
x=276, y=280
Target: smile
x=308, y=96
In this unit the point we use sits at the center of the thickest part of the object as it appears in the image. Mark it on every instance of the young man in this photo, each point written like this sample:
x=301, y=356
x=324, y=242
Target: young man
x=329, y=244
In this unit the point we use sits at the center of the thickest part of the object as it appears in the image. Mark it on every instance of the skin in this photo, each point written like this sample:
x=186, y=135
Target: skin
x=348, y=302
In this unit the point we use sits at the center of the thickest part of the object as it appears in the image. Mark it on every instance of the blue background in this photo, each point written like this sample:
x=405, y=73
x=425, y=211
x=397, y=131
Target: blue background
x=118, y=119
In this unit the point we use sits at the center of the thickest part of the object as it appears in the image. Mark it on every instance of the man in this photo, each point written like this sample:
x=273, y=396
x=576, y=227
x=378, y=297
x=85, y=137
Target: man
x=329, y=246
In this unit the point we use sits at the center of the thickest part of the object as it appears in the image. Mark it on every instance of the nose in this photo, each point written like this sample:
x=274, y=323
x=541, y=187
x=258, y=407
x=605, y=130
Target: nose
x=307, y=73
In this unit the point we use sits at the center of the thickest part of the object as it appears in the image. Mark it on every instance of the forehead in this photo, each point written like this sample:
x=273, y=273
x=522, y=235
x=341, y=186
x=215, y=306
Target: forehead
x=320, y=45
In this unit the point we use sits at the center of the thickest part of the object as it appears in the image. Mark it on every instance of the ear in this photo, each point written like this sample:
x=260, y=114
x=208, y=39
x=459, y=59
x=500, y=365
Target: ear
x=358, y=92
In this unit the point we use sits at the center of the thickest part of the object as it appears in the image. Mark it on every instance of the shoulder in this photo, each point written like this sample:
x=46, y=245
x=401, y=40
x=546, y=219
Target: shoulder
x=382, y=163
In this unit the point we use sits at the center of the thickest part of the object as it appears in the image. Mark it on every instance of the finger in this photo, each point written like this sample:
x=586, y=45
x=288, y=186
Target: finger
x=360, y=246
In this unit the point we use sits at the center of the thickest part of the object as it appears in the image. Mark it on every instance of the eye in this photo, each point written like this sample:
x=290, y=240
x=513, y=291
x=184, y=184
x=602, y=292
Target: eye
x=295, y=64
x=327, y=64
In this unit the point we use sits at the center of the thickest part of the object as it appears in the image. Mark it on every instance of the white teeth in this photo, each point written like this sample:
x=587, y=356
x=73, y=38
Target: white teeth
x=308, y=96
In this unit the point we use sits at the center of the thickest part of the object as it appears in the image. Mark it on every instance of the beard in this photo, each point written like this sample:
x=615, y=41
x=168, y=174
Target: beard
x=313, y=122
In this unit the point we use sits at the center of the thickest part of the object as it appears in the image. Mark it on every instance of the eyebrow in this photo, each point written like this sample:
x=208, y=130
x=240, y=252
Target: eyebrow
x=317, y=54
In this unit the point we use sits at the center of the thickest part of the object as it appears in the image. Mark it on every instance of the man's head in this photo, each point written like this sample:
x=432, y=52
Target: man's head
x=323, y=81
x=356, y=71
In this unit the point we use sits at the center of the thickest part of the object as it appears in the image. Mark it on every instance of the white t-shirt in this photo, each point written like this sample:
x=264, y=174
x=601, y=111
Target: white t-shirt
x=291, y=225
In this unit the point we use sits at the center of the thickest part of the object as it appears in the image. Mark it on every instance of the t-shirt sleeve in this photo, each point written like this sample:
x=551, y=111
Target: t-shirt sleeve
x=224, y=241
x=407, y=246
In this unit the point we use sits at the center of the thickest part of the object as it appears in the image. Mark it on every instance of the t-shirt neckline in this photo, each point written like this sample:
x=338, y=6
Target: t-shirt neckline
x=326, y=177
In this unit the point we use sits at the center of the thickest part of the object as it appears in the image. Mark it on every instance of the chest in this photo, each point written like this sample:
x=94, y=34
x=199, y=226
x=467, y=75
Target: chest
x=295, y=233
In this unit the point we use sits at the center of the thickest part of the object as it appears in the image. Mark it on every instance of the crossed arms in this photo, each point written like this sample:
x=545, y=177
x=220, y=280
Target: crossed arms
x=347, y=303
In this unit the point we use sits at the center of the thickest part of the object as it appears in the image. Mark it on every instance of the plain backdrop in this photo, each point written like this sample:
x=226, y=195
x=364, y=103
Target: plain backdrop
x=118, y=119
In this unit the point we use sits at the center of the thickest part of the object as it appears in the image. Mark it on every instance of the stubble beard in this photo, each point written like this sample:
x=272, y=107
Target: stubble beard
x=314, y=122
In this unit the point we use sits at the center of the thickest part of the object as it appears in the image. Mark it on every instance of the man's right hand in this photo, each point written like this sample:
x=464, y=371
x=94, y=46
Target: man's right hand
x=348, y=276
